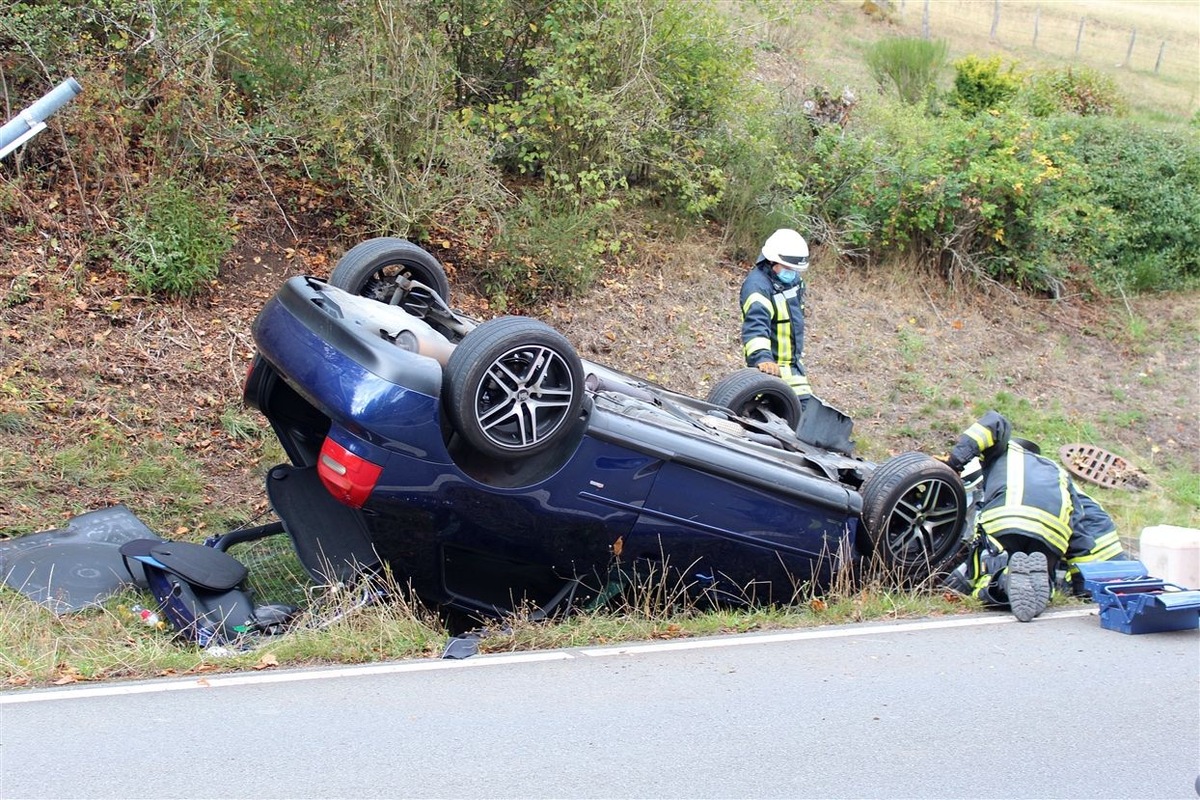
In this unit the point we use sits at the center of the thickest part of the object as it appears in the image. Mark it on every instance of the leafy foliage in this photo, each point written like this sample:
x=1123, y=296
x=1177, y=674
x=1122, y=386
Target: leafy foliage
x=1148, y=178
x=994, y=196
x=387, y=122
x=175, y=240
x=1073, y=90
x=616, y=91
x=980, y=84
x=518, y=123
x=544, y=250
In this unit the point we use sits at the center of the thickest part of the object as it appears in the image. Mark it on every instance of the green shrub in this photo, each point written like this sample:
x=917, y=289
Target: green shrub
x=980, y=84
x=279, y=47
x=910, y=65
x=995, y=196
x=547, y=249
x=1149, y=179
x=625, y=91
x=1072, y=90
x=175, y=240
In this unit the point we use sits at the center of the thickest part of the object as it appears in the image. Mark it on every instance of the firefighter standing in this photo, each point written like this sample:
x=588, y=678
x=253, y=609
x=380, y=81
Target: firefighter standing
x=1031, y=516
x=772, y=301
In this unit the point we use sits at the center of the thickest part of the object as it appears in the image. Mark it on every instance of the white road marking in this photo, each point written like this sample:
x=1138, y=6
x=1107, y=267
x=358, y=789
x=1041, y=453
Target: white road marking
x=217, y=681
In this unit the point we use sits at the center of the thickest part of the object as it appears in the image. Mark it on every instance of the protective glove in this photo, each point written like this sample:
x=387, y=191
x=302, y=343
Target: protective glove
x=949, y=460
x=769, y=367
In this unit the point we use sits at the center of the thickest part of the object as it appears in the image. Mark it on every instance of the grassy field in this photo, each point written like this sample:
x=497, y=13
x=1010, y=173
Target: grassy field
x=832, y=52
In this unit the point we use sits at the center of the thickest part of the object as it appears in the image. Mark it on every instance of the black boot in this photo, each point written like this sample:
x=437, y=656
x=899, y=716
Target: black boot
x=1028, y=586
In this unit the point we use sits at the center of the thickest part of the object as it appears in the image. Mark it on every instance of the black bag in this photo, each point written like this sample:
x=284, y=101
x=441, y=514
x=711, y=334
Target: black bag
x=201, y=590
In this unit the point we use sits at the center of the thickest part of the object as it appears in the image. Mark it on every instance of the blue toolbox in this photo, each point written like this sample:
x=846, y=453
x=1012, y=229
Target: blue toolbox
x=1133, y=602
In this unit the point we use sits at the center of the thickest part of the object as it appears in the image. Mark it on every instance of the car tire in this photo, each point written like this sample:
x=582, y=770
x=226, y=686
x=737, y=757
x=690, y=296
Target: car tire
x=749, y=392
x=914, y=508
x=514, y=387
x=370, y=268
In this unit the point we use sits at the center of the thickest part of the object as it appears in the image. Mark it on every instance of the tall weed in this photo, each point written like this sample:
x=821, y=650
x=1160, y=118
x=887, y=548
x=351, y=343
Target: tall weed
x=548, y=248
x=909, y=65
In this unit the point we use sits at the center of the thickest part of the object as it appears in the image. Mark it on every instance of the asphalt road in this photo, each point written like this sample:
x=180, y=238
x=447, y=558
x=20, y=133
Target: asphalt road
x=970, y=707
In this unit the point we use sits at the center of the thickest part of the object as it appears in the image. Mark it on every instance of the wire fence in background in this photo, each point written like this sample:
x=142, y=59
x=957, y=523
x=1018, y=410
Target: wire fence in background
x=1160, y=39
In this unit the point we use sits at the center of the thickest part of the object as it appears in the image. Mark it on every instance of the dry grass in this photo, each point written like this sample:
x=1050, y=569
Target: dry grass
x=825, y=47
x=1108, y=26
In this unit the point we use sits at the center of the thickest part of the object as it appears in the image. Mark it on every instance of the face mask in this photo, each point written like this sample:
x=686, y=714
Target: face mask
x=787, y=276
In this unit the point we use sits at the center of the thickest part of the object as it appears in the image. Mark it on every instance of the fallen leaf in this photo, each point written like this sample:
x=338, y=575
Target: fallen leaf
x=268, y=660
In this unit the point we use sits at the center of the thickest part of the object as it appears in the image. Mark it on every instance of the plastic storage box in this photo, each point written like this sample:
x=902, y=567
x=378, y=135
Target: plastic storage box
x=1172, y=553
x=1133, y=602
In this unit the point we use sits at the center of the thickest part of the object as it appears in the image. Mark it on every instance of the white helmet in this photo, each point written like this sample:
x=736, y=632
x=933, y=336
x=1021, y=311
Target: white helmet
x=785, y=246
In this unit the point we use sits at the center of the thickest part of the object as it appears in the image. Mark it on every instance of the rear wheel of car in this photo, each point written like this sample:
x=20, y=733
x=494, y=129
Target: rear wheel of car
x=514, y=387
x=749, y=393
x=914, y=507
x=370, y=269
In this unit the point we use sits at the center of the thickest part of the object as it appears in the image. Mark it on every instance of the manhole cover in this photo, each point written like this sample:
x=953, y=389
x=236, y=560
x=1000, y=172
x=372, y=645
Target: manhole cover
x=1101, y=467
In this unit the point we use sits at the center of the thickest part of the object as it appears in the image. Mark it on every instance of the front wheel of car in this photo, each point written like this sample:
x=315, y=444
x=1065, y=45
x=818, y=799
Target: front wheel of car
x=514, y=387
x=914, y=509
x=371, y=268
x=750, y=393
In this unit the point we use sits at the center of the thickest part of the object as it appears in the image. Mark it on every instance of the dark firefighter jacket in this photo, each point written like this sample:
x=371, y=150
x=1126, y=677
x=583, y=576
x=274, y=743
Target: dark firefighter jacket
x=1026, y=494
x=773, y=324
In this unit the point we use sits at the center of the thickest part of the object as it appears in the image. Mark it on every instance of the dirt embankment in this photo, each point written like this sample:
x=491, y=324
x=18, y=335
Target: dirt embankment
x=83, y=360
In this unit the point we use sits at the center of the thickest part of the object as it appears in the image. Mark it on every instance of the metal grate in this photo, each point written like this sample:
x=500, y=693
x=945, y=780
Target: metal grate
x=1101, y=467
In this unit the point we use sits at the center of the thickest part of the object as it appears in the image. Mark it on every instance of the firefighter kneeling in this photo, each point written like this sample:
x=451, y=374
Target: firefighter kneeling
x=1031, y=517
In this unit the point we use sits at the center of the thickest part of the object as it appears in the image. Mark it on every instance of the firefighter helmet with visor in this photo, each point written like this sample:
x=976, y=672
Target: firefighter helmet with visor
x=785, y=246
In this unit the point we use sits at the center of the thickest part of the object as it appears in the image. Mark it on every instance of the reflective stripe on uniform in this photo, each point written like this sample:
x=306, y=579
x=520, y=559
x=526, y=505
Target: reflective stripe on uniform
x=1105, y=548
x=752, y=346
x=783, y=329
x=982, y=436
x=797, y=380
x=1029, y=521
x=756, y=299
x=1040, y=510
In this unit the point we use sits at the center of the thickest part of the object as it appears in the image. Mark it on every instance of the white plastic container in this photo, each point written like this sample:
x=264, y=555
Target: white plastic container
x=1171, y=553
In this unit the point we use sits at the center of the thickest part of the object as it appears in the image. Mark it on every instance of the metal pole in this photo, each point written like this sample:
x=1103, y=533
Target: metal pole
x=925, y=21
x=1079, y=36
x=1158, y=61
x=32, y=120
x=995, y=20
x=1037, y=15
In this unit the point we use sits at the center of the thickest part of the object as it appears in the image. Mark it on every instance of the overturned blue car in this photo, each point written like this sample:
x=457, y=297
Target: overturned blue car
x=490, y=468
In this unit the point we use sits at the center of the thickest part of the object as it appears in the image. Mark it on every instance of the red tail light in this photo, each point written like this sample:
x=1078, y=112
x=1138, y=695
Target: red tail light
x=348, y=477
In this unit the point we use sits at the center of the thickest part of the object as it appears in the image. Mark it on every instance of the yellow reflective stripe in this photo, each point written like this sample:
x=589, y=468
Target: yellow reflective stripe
x=756, y=299
x=1064, y=500
x=982, y=436
x=1106, y=547
x=752, y=346
x=1025, y=519
x=783, y=329
x=798, y=382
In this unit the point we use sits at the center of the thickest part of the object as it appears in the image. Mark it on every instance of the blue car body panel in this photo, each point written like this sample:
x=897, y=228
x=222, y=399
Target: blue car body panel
x=631, y=484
